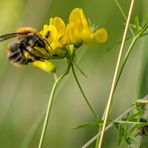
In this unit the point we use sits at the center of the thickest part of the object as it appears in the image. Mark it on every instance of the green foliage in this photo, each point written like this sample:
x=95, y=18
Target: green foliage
x=129, y=127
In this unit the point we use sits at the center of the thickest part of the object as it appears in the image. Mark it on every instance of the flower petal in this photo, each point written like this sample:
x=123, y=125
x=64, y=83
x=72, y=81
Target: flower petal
x=59, y=24
x=101, y=35
x=79, y=28
x=45, y=65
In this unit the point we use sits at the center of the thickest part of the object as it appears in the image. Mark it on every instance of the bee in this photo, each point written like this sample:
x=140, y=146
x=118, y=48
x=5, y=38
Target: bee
x=26, y=49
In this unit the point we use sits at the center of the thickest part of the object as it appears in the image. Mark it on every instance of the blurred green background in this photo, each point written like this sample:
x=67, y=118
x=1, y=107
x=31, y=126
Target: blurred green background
x=24, y=91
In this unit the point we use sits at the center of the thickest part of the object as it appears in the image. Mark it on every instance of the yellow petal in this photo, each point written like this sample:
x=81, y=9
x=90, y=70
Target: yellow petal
x=101, y=35
x=59, y=24
x=79, y=28
x=67, y=38
x=45, y=66
x=44, y=31
x=77, y=17
x=54, y=45
x=53, y=33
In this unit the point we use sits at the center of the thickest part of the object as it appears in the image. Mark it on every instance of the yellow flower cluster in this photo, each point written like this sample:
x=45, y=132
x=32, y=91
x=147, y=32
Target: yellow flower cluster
x=62, y=38
x=77, y=30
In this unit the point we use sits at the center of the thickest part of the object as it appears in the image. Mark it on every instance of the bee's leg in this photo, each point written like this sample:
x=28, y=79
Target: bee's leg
x=33, y=56
x=48, y=45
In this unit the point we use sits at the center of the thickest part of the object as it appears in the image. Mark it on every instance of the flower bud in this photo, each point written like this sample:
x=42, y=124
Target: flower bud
x=101, y=35
x=45, y=65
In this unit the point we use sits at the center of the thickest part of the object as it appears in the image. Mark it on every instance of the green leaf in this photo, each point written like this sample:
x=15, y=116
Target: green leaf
x=137, y=127
x=89, y=124
x=137, y=24
x=132, y=117
x=121, y=131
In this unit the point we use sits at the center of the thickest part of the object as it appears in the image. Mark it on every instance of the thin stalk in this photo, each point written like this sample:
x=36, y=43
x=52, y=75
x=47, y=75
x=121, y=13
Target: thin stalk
x=124, y=15
x=127, y=122
x=48, y=111
x=121, y=10
x=84, y=96
x=128, y=53
x=115, y=74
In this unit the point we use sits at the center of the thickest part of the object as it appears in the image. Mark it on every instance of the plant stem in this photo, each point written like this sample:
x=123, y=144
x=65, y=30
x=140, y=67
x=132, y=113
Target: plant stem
x=128, y=53
x=123, y=14
x=115, y=74
x=84, y=96
x=50, y=106
x=121, y=10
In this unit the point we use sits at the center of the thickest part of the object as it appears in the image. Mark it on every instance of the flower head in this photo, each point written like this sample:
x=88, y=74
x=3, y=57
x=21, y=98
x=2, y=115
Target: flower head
x=78, y=29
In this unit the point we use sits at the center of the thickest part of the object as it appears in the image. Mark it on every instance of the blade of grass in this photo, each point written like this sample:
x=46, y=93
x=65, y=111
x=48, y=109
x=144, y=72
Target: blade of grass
x=115, y=74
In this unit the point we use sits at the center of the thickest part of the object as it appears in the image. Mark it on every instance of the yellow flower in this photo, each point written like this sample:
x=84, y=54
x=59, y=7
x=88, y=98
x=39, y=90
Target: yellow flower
x=53, y=32
x=45, y=65
x=79, y=30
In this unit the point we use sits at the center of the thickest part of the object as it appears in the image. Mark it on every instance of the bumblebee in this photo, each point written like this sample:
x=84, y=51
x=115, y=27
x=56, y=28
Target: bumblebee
x=28, y=46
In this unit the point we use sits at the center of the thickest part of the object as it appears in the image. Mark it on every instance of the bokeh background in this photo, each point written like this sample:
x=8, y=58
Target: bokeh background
x=24, y=92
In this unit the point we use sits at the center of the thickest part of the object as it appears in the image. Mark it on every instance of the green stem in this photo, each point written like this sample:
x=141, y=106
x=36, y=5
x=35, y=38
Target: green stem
x=84, y=96
x=121, y=10
x=128, y=53
x=123, y=14
x=50, y=106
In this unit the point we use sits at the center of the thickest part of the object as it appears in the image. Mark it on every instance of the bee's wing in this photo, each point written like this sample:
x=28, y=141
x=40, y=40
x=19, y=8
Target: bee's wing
x=9, y=36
